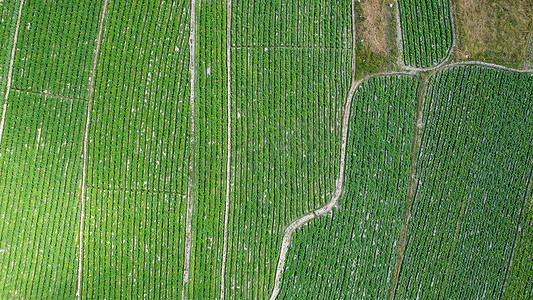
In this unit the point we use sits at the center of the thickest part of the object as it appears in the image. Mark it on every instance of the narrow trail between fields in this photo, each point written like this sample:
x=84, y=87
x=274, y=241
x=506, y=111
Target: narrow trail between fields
x=85, y=146
x=10, y=71
x=228, y=163
x=413, y=184
x=339, y=183
x=191, y=185
x=425, y=74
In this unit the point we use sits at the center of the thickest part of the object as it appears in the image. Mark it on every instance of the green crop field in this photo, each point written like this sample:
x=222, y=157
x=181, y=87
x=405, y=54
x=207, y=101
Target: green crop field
x=426, y=31
x=232, y=149
x=351, y=254
x=472, y=185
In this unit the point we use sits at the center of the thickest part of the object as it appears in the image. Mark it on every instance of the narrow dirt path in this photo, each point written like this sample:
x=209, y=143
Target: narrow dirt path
x=85, y=146
x=339, y=183
x=228, y=163
x=413, y=184
x=191, y=185
x=10, y=71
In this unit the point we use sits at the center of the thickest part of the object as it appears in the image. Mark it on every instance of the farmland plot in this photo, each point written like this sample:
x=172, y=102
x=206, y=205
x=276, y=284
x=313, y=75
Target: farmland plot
x=138, y=153
x=8, y=17
x=519, y=284
x=40, y=175
x=55, y=49
x=288, y=86
x=474, y=168
x=426, y=28
x=212, y=124
x=352, y=253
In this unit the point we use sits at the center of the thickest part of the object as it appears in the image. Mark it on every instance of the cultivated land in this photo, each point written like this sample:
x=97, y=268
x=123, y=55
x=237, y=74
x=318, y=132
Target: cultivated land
x=260, y=149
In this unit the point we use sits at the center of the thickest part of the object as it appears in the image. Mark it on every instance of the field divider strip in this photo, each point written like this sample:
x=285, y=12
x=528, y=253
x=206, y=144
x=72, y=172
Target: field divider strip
x=47, y=94
x=228, y=163
x=191, y=185
x=85, y=146
x=290, y=48
x=10, y=70
x=339, y=183
x=413, y=185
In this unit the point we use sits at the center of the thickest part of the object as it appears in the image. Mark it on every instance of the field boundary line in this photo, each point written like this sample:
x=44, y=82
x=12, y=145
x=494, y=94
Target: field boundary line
x=272, y=47
x=413, y=183
x=85, y=146
x=47, y=94
x=191, y=185
x=228, y=164
x=10, y=70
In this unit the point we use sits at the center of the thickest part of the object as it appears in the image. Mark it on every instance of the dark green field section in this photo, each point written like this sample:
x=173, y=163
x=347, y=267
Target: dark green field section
x=352, y=253
x=55, y=46
x=287, y=99
x=519, y=284
x=474, y=168
x=427, y=33
x=40, y=176
x=138, y=154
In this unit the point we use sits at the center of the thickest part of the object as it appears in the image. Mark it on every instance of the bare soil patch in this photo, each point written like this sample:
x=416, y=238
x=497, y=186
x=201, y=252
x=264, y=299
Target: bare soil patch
x=374, y=28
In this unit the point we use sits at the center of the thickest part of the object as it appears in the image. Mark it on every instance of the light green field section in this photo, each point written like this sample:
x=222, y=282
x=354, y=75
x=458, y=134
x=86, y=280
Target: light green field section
x=138, y=153
x=289, y=85
x=8, y=19
x=473, y=171
x=55, y=47
x=40, y=176
x=351, y=254
x=135, y=244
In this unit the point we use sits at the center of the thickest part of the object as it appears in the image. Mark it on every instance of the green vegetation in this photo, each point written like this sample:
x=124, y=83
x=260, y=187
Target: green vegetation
x=138, y=154
x=288, y=91
x=352, y=254
x=40, y=175
x=7, y=20
x=209, y=209
x=473, y=171
x=426, y=31
x=153, y=150
x=55, y=46
x=519, y=284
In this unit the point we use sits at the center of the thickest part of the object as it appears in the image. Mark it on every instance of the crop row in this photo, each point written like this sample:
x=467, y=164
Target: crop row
x=352, y=253
x=473, y=169
x=426, y=31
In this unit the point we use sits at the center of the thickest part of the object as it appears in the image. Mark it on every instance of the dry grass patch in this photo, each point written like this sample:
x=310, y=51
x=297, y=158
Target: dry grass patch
x=375, y=25
x=493, y=30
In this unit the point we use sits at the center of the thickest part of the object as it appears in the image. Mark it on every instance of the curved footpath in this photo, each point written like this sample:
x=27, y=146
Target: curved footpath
x=339, y=183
